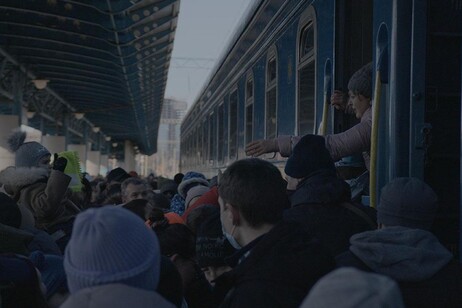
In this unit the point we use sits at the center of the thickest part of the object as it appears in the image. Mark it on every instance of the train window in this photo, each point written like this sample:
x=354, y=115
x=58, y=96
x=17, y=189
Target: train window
x=221, y=131
x=249, y=109
x=307, y=41
x=212, y=138
x=306, y=73
x=271, y=100
x=204, y=142
x=233, y=124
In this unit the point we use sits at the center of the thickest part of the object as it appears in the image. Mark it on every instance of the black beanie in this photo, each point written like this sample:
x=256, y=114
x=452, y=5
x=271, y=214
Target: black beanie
x=118, y=175
x=309, y=155
x=211, y=245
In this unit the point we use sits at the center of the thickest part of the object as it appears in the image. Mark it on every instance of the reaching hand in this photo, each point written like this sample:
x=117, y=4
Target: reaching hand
x=262, y=146
x=338, y=100
x=59, y=163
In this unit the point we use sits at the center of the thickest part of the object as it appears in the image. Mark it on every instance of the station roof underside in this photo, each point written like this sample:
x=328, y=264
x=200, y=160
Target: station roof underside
x=107, y=59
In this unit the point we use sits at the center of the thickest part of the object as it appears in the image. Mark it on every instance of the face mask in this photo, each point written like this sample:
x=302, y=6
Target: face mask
x=231, y=239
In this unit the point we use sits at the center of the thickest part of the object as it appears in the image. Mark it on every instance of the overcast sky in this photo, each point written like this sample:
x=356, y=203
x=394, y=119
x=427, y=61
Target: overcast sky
x=204, y=29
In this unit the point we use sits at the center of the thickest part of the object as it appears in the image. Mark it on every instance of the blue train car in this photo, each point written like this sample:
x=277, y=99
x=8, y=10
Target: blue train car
x=288, y=56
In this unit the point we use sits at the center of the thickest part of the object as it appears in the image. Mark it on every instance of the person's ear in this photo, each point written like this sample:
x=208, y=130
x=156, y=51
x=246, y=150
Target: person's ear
x=235, y=215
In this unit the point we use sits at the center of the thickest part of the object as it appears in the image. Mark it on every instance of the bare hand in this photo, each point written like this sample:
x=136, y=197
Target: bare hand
x=262, y=146
x=337, y=100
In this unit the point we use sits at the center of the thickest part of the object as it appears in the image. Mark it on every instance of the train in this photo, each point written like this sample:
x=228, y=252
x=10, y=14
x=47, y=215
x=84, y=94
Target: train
x=278, y=72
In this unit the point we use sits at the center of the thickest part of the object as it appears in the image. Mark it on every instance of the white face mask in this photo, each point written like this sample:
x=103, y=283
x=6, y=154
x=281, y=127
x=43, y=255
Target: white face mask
x=231, y=239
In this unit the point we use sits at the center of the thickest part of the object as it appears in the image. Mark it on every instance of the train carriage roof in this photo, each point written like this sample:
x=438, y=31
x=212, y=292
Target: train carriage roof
x=107, y=59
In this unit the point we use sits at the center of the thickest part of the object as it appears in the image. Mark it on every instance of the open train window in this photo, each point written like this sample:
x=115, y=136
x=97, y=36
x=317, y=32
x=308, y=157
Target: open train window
x=249, y=109
x=233, y=124
x=271, y=95
x=306, y=73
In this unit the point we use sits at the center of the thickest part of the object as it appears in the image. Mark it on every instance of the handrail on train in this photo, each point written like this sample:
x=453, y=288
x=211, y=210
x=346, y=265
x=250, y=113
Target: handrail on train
x=381, y=76
x=326, y=100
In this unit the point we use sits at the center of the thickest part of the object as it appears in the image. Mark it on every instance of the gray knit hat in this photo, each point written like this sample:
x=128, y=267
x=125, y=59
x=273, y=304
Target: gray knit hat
x=111, y=245
x=361, y=81
x=407, y=202
x=348, y=287
x=27, y=154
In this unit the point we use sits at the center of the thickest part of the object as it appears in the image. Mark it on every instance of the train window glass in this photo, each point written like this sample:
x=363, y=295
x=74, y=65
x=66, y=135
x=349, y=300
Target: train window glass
x=307, y=41
x=306, y=73
x=271, y=72
x=233, y=124
x=249, y=109
x=271, y=97
x=212, y=138
x=221, y=130
x=204, y=142
x=306, y=100
x=249, y=89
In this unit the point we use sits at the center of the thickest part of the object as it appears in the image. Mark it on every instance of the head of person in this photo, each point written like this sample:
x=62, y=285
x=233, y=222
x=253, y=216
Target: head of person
x=308, y=157
x=360, y=90
x=252, y=195
x=191, y=179
x=212, y=248
x=28, y=154
x=111, y=245
x=178, y=178
x=117, y=175
x=10, y=214
x=351, y=288
x=407, y=202
x=169, y=188
x=200, y=214
x=158, y=201
x=195, y=193
x=140, y=207
x=177, y=242
x=134, y=188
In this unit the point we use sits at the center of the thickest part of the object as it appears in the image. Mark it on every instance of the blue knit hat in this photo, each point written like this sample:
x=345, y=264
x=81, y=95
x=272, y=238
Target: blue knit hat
x=309, y=155
x=111, y=245
x=27, y=154
x=190, y=180
x=407, y=202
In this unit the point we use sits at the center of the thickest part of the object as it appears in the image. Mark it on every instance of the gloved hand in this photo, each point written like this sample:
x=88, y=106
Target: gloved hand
x=262, y=146
x=59, y=163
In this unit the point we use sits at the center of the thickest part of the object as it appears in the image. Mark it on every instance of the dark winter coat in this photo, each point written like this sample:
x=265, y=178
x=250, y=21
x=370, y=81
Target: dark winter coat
x=427, y=274
x=319, y=205
x=278, y=272
x=46, y=197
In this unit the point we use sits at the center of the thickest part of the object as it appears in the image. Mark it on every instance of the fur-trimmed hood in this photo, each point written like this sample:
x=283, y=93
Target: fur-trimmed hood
x=14, y=178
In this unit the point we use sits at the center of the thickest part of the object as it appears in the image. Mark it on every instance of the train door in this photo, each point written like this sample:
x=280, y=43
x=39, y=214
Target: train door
x=353, y=49
x=436, y=109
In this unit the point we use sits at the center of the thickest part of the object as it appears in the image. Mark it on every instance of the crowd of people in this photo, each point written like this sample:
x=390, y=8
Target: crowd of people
x=246, y=238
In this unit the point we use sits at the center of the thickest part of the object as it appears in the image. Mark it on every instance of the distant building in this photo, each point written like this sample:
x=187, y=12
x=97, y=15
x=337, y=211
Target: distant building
x=166, y=161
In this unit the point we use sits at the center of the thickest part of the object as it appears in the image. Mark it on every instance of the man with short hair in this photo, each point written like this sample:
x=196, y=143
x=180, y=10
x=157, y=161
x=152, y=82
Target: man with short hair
x=134, y=188
x=277, y=263
x=404, y=249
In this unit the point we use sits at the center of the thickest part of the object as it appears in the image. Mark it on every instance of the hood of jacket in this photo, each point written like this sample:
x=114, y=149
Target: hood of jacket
x=115, y=296
x=322, y=187
x=401, y=253
x=14, y=178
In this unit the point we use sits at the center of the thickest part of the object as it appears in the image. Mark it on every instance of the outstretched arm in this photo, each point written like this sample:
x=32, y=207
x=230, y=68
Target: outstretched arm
x=262, y=146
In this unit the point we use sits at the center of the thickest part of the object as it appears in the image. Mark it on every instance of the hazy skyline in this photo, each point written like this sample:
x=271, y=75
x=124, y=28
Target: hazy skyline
x=204, y=30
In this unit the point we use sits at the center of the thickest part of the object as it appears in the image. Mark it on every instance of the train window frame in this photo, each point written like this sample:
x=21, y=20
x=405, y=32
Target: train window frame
x=212, y=129
x=234, y=91
x=220, y=132
x=307, y=20
x=249, y=103
x=270, y=85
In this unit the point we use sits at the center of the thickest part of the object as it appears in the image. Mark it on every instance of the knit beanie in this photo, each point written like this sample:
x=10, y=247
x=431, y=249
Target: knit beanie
x=407, y=202
x=309, y=155
x=111, y=245
x=118, y=175
x=194, y=192
x=351, y=288
x=27, y=154
x=211, y=245
x=190, y=180
x=361, y=81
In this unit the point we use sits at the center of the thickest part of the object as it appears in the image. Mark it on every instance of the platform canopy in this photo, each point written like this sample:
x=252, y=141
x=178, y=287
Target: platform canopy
x=106, y=62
